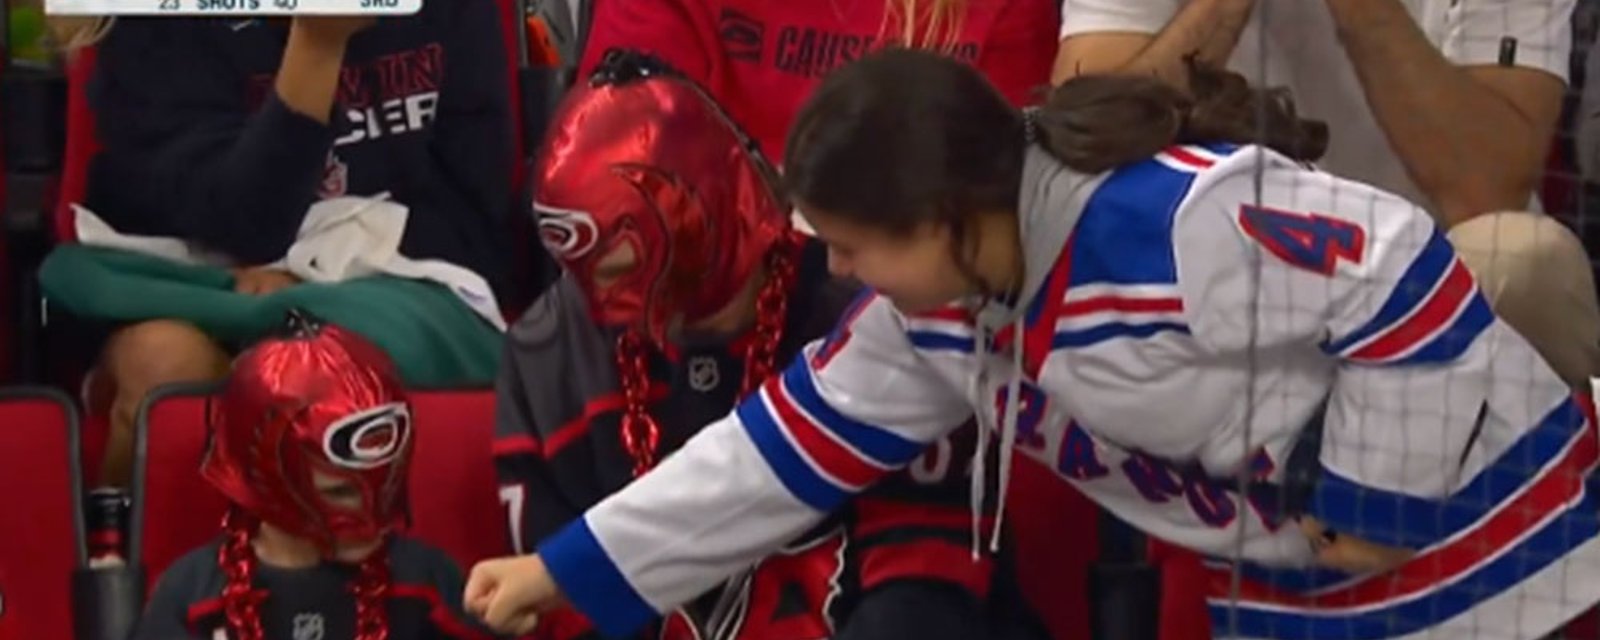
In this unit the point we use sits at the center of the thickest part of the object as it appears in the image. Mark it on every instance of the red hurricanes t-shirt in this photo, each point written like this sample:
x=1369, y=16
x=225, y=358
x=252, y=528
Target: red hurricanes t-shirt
x=762, y=58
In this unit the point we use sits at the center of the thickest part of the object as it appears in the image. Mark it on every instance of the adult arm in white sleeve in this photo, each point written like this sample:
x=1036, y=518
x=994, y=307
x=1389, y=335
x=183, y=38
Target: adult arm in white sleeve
x=848, y=410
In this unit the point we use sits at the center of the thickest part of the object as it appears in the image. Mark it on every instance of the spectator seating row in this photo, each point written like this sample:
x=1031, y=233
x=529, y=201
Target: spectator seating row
x=453, y=502
x=536, y=76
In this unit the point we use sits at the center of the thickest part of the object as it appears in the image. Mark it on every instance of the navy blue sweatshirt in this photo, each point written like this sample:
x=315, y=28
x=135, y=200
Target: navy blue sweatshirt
x=197, y=145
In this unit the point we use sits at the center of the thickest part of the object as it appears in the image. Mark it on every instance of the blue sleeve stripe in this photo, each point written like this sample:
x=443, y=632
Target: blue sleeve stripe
x=802, y=480
x=885, y=447
x=934, y=341
x=592, y=582
x=1397, y=519
x=1111, y=331
x=1420, y=279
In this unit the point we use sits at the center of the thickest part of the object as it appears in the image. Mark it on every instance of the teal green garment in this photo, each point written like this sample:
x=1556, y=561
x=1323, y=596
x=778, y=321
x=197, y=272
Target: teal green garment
x=434, y=338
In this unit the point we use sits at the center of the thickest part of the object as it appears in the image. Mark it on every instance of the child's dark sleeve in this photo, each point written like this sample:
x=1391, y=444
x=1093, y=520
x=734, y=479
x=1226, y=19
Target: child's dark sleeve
x=529, y=487
x=926, y=610
x=166, y=614
x=449, y=619
x=184, y=152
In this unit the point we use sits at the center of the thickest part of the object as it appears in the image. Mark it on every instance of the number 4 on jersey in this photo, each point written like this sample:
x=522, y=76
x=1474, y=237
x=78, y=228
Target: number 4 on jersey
x=1305, y=240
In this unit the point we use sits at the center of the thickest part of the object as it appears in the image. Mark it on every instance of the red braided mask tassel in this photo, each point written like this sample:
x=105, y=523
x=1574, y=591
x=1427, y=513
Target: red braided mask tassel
x=641, y=435
x=371, y=589
x=241, y=601
x=772, y=309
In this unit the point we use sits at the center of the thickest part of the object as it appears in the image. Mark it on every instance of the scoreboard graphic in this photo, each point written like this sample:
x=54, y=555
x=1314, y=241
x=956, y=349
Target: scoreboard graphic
x=230, y=7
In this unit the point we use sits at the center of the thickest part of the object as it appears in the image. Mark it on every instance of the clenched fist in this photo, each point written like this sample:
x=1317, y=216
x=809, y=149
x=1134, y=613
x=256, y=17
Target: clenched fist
x=508, y=594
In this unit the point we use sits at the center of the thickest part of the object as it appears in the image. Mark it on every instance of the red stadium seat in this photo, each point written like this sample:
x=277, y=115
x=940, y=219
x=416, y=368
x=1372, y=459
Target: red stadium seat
x=1054, y=543
x=41, y=543
x=454, y=505
x=453, y=502
x=173, y=510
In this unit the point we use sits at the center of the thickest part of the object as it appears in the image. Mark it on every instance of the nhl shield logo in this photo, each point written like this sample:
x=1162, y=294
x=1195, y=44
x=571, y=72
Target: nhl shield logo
x=703, y=373
x=308, y=626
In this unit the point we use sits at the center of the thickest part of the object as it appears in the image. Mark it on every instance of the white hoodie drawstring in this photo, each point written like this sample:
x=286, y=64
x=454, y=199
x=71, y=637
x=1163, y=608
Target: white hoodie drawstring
x=1008, y=434
x=1008, y=437
x=981, y=415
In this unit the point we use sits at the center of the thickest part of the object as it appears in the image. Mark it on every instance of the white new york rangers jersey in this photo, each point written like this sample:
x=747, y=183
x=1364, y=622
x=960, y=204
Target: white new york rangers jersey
x=1183, y=321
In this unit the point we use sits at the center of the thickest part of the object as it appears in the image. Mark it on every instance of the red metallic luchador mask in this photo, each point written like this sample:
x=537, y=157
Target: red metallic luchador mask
x=318, y=400
x=641, y=157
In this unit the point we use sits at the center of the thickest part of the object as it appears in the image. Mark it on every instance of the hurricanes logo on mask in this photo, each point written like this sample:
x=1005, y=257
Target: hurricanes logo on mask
x=567, y=233
x=369, y=439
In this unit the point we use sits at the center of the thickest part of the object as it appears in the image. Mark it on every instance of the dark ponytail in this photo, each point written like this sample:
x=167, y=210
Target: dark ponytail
x=1094, y=123
x=904, y=137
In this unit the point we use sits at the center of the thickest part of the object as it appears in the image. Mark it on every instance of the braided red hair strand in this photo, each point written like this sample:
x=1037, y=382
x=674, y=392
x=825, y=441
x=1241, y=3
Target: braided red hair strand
x=241, y=601
x=641, y=434
x=372, y=596
x=772, y=310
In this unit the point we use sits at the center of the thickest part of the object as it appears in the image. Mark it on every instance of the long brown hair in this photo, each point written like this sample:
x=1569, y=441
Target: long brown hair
x=902, y=137
x=1094, y=123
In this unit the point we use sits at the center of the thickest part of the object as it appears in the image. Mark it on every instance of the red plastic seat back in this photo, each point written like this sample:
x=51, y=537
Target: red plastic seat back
x=41, y=531
x=454, y=500
x=174, y=510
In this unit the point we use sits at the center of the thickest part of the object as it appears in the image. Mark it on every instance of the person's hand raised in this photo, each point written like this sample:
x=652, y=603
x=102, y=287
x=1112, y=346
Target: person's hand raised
x=330, y=29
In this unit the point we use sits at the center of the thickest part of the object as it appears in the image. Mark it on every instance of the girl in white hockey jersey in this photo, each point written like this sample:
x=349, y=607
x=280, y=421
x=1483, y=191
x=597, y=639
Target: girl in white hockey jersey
x=1160, y=318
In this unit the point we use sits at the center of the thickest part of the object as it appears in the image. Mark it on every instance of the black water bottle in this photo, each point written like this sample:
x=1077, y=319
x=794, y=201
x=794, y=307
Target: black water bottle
x=106, y=519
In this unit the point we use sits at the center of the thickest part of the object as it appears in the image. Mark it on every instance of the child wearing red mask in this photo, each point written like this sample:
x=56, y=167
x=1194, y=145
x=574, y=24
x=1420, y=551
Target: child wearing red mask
x=311, y=444
x=684, y=286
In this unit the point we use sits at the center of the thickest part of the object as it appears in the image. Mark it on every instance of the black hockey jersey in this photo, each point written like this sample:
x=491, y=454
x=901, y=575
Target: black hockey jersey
x=314, y=603
x=897, y=563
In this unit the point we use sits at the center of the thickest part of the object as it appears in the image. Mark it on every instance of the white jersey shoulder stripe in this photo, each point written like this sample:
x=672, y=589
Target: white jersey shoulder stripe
x=837, y=458
x=1433, y=313
x=1188, y=158
x=819, y=454
x=948, y=330
x=1091, y=305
